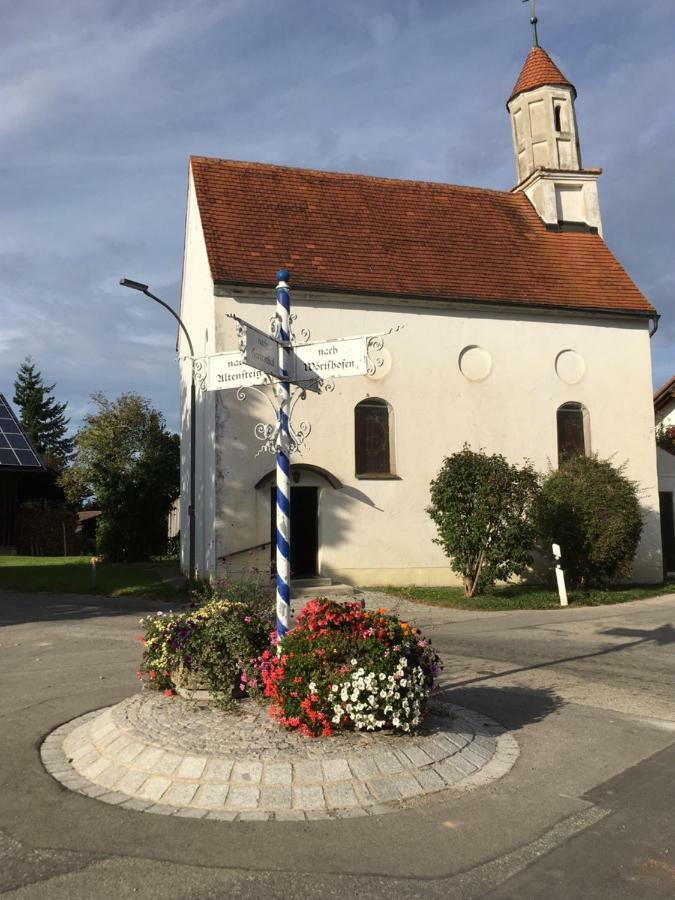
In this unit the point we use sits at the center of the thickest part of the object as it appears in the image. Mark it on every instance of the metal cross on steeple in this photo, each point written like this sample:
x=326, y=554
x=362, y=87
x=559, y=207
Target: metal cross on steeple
x=533, y=22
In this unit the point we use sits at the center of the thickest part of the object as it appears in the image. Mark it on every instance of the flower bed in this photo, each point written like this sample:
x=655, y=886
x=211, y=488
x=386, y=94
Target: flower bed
x=343, y=667
x=207, y=647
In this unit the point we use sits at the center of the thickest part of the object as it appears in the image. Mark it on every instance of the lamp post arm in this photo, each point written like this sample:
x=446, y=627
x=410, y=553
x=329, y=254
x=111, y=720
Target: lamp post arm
x=176, y=317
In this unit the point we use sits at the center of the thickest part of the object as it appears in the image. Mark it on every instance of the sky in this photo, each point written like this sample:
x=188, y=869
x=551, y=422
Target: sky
x=102, y=102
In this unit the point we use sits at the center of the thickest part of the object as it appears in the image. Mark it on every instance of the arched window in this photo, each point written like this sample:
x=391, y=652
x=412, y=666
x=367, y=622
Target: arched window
x=557, y=115
x=573, y=431
x=372, y=438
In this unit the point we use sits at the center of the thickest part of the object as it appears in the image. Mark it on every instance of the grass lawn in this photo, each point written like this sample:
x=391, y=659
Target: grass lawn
x=72, y=575
x=515, y=596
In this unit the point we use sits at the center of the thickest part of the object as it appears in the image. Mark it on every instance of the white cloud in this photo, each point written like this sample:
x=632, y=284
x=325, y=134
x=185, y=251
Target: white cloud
x=102, y=102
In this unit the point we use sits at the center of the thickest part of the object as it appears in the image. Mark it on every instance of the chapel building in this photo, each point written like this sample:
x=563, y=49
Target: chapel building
x=519, y=332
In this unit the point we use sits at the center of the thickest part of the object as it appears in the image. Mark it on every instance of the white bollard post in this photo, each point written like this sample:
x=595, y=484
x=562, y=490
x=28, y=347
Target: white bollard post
x=560, y=575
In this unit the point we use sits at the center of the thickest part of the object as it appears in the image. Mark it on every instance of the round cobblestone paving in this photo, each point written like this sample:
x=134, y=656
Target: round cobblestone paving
x=179, y=757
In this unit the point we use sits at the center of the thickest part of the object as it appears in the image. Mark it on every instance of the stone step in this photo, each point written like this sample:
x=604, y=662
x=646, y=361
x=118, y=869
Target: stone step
x=314, y=581
x=324, y=590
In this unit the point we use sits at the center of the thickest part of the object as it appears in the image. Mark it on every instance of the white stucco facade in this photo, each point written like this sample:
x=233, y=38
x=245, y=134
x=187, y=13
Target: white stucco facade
x=197, y=312
x=376, y=531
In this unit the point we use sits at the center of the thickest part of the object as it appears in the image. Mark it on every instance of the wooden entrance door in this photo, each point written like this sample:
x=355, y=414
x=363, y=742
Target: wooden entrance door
x=667, y=530
x=304, y=531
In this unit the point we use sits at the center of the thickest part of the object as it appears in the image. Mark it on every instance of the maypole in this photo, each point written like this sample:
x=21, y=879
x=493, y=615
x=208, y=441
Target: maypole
x=283, y=526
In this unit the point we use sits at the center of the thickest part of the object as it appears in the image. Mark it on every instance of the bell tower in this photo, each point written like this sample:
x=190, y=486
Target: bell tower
x=546, y=145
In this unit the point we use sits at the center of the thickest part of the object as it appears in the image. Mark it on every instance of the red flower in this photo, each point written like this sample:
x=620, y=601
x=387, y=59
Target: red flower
x=169, y=693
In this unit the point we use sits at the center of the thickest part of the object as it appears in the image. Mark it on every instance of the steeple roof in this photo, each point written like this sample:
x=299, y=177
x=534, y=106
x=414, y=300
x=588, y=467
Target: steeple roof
x=539, y=69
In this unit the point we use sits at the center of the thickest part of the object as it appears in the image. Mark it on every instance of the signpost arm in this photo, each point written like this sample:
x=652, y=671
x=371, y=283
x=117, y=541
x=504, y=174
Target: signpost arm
x=283, y=493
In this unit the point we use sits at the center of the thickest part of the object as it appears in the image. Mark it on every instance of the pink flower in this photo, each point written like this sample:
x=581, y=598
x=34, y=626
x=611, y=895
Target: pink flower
x=247, y=619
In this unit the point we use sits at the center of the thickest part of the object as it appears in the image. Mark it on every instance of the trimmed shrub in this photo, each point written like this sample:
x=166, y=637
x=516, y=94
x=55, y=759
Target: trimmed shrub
x=591, y=509
x=484, y=510
x=343, y=667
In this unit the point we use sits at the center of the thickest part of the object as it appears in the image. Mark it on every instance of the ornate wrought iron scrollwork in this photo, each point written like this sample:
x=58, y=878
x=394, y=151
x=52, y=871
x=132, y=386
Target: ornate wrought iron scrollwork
x=200, y=372
x=268, y=435
x=241, y=335
x=275, y=326
x=374, y=346
x=298, y=435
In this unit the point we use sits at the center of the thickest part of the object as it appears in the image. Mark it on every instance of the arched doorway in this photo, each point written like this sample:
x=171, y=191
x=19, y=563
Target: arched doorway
x=307, y=483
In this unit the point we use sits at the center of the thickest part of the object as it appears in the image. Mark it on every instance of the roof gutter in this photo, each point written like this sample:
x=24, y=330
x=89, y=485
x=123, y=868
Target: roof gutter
x=655, y=319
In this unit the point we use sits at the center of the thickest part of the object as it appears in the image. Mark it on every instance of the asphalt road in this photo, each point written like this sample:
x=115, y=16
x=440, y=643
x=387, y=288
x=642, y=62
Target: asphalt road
x=587, y=811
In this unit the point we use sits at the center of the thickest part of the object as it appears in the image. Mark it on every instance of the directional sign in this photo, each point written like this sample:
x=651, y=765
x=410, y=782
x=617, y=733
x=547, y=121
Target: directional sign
x=330, y=359
x=228, y=370
x=260, y=350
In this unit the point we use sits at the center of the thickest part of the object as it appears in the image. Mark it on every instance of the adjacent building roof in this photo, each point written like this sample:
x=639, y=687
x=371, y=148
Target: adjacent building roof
x=539, y=70
x=362, y=235
x=665, y=394
x=16, y=450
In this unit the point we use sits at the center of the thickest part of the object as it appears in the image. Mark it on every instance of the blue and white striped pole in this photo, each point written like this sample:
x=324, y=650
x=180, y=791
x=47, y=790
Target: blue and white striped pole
x=283, y=529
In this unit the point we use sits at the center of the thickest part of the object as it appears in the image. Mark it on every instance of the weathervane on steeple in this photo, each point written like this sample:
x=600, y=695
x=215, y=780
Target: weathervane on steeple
x=533, y=22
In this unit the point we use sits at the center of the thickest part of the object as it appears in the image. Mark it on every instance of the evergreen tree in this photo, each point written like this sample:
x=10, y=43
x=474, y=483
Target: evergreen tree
x=42, y=416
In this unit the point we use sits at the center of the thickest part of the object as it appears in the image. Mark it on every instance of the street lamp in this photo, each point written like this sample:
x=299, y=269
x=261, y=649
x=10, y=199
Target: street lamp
x=143, y=288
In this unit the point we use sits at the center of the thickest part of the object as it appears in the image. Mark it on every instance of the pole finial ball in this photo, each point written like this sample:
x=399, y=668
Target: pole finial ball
x=283, y=275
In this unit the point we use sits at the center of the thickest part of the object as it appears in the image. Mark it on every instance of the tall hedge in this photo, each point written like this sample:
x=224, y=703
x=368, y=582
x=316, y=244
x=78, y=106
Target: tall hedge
x=592, y=510
x=484, y=509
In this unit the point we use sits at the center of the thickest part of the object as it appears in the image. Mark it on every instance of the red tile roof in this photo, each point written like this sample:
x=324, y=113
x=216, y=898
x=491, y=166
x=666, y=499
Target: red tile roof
x=364, y=235
x=664, y=394
x=539, y=69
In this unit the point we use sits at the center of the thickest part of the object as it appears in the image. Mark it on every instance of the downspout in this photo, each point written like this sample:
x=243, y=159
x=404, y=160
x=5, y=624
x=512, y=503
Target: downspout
x=655, y=320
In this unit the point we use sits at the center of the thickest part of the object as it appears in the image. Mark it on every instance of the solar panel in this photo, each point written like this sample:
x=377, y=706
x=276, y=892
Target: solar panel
x=15, y=449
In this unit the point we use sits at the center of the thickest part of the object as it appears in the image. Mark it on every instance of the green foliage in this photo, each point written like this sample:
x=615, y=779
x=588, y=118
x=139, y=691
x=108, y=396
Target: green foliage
x=343, y=667
x=483, y=508
x=591, y=509
x=210, y=647
x=130, y=463
x=525, y=596
x=42, y=417
x=250, y=586
x=665, y=437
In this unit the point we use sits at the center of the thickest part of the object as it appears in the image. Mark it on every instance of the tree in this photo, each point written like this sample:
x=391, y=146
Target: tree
x=665, y=437
x=484, y=508
x=42, y=417
x=130, y=463
x=592, y=510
